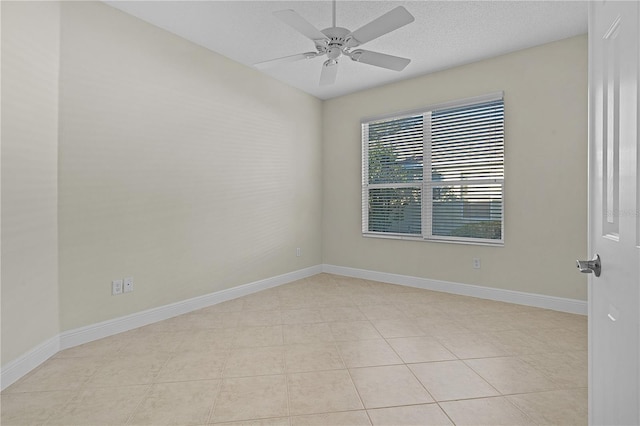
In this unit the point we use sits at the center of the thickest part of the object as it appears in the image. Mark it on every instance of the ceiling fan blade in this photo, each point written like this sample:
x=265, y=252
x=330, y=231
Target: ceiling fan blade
x=285, y=59
x=390, y=21
x=329, y=72
x=293, y=19
x=382, y=60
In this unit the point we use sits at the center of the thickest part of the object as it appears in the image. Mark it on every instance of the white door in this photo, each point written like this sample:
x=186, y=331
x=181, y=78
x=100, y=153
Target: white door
x=614, y=213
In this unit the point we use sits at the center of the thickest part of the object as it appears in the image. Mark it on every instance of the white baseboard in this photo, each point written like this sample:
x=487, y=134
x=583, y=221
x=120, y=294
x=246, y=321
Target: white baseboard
x=27, y=362
x=17, y=368
x=530, y=299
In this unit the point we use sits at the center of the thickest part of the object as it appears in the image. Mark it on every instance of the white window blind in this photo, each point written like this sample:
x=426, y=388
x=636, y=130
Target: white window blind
x=436, y=174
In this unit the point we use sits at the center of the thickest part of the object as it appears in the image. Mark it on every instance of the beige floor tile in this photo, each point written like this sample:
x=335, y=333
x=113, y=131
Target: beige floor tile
x=106, y=347
x=485, y=411
x=153, y=342
x=250, y=398
x=312, y=357
x=562, y=407
x=259, y=318
x=195, y=320
x=261, y=361
x=181, y=403
x=390, y=328
x=186, y=366
x=297, y=301
x=566, y=369
x=574, y=322
x=261, y=302
x=387, y=288
x=451, y=380
x=307, y=333
x=471, y=345
x=353, y=330
x=31, y=408
x=203, y=320
x=415, y=310
x=414, y=415
x=420, y=349
x=280, y=421
x=301, y=316
x=323, y=301
x=440, y=326
x=346, y=418
x=422, y=297
x=485, y=322
x=507, y=308
x=536, y=319
x=132, y=370
x=369, y=298
x=208, y=340
x=58, y=374
x=381, y=311
x=518, y=342
x=511, y=375
x=388, y=386
x=367, y=353
x=560, y=340
x=322, y=392
x=104, y=406
x=341, y=313
x=233, y=305
x=258, y=336
x=460, y=305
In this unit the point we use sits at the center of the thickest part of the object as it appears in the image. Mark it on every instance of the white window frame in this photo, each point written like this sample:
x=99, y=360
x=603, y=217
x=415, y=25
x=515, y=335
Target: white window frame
x=426, y=186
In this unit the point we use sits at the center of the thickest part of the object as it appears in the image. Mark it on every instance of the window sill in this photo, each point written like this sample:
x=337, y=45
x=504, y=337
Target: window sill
x=490, y=243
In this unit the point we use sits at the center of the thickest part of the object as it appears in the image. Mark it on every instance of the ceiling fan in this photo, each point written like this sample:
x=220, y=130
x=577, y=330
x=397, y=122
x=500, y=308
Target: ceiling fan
x=336, y=42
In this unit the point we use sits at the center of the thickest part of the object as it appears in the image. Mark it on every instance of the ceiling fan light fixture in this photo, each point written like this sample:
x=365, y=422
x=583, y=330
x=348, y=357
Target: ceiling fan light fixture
x=334, y=53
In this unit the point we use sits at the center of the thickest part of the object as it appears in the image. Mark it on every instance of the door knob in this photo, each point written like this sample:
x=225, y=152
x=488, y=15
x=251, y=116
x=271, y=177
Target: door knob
x=589, y=266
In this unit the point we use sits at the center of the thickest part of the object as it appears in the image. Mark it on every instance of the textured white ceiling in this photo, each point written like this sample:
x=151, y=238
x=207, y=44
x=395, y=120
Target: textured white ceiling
x=445, y=33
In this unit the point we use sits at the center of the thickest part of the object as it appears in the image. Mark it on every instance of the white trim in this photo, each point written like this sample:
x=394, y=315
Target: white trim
x=19, y=367
x=494, y=96
x=530, y=299
x=68, y=339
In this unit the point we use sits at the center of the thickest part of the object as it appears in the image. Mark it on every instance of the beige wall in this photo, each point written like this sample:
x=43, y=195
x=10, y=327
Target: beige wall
x=545, y=174
x=30, y=52
x=179, y=167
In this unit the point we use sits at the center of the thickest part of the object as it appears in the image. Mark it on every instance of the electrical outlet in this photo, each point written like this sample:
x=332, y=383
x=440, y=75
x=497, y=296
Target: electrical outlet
x=298, y=252
x=128, y=284
x=476, y=263
x=116, y=287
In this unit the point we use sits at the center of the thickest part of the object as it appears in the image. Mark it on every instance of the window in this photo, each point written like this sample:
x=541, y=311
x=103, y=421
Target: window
x=436, y=174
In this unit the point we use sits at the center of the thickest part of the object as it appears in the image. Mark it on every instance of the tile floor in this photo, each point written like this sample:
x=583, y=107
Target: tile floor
x=327, y=350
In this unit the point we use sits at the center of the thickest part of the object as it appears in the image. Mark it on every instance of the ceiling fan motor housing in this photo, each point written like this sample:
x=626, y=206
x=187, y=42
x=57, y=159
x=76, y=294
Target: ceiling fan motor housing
x=337, y=43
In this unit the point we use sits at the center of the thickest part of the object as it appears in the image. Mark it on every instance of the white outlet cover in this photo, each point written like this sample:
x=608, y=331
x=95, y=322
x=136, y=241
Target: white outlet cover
x=128, y=284
x=116, y=287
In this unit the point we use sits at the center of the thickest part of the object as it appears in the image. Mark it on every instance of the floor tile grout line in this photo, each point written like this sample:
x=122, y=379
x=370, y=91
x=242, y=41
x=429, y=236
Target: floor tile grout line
x=76, y=395
x=135, y=409
x=220, y=386
x=286, y=378
x=483, y=378
x=353, y=383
